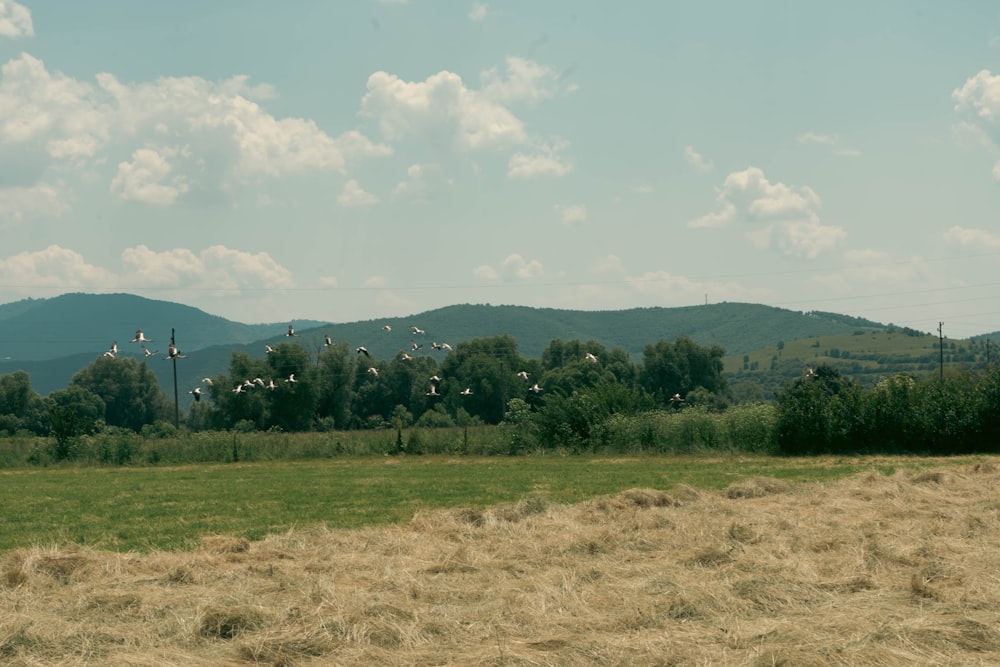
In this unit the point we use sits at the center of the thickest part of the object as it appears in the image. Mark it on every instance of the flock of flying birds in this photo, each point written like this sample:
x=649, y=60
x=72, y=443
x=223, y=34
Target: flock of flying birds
x=140, y=337
x=173, y=353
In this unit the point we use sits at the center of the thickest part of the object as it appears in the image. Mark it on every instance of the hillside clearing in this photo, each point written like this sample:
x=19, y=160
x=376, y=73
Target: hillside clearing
x=865, y=570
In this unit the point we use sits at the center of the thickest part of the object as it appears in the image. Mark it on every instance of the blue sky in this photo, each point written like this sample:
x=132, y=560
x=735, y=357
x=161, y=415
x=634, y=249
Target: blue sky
x=362, y=159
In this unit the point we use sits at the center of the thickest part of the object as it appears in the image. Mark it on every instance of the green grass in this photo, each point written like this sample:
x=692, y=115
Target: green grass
x=858, y=347
x=171, y=508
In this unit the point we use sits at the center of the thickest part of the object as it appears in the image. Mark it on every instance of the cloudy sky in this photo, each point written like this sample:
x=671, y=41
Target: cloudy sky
x=361, y=159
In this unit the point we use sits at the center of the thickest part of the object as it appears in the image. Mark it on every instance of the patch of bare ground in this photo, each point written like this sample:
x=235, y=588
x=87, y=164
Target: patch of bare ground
x=870, y=570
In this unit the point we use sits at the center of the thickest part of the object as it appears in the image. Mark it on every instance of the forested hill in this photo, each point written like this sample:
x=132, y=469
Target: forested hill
x=737, y=327
x=70, y=324
x=51, y=339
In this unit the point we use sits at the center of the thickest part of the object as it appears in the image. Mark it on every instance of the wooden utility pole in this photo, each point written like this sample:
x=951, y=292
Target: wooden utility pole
x=177, y=408
x=941, y=348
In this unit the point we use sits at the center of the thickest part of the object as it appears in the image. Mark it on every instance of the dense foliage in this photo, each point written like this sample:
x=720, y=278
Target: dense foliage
x=827, y=413
x=578, y=396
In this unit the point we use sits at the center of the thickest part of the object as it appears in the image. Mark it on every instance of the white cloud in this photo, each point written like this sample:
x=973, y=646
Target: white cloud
x=545, y=161
x=978, y=103
x=525, y=81
x=224, y=137
x=15, y=20
x=40, y=107
x=572, y=214
x=328, y=281
x=441, y=109
x=19, y=203
x=980, y=96
x=54, y=267
x=216, y=268
x=354, y=195
x=479, y=11
x=968, y=236
x=486, y=272
x=444, y=111
x=142, y=179
x=696, y=160
x=529, y=166
x=830, y=140
x=376, y=281
x=416, y=182
x=779, y=215
x=513, y=266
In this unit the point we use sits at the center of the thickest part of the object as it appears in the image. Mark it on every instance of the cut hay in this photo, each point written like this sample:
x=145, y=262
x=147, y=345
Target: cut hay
x=872, y=570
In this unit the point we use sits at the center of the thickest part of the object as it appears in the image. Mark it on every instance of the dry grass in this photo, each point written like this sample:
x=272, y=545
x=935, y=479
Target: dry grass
x=871, y=570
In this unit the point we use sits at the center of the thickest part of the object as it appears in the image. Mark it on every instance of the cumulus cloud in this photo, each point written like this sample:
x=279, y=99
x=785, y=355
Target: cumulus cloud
x=980, y=97
x=970, y=236
x=514, y=266
x=216, y=267
x=831, y=141
x=978, y=104
x=416, y=180
x=571, y=214
x=55, y=267
x=778, y=215
x=697, y=160
x=543, y=161
x=479, y=11
x=440, y=108
x=354, y=195
x=142, y=179
x=223, y=134
x=446, y=112
x=15, y=20
x=19, y=203
x=523, y=81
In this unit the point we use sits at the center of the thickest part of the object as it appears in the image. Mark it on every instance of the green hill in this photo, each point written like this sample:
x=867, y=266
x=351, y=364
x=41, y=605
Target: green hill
x=865, y=356
x=70, y=324
x=56, y=337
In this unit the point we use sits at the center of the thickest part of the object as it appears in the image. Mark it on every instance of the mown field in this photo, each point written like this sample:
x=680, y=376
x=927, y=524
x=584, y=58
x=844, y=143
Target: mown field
x=536, y=560
x=170, y=508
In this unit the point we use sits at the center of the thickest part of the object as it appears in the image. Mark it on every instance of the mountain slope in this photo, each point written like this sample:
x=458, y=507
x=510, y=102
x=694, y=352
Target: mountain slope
x=44, y=329
x=77, y=328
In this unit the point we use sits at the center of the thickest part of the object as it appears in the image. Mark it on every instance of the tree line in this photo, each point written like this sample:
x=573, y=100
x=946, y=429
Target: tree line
x=338, y=387
x=578, y=395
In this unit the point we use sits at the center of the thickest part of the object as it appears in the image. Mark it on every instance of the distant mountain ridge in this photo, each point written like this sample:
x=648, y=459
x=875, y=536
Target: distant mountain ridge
x=76, y=323
x=51, y=339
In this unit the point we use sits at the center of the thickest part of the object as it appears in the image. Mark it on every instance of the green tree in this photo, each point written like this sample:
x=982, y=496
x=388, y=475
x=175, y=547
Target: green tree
x=680, y=367
x=73, y=412
x=129, y=389
x=335, y=376
x=488, y=367
x=821, y=413
x=293, y=402
x=251, y=404
x=21, y=407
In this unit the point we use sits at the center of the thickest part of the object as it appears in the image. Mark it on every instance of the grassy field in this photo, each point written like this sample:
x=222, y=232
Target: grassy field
x=863, y=347
x=147, y=508
x=713, y=562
